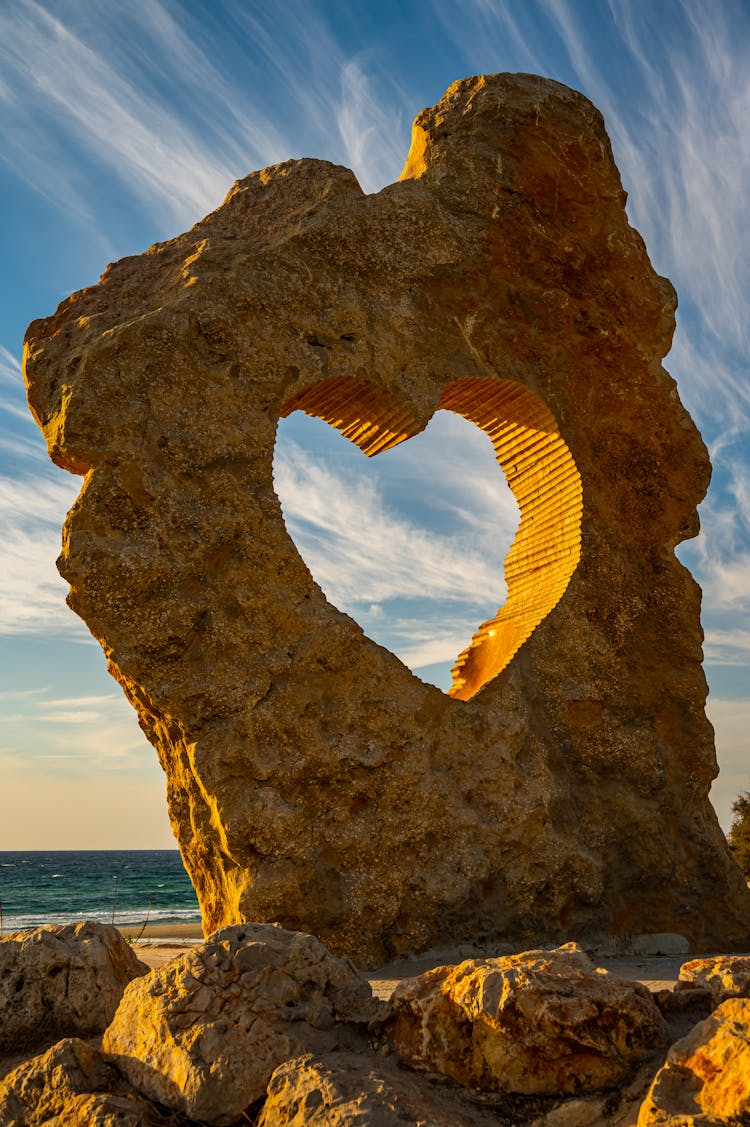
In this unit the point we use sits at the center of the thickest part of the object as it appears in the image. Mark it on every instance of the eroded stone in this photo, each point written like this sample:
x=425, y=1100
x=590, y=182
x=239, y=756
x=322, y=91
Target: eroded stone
x=72, y=1084
x=355, y=1090
x=704, y=1082
x=204, y=1033
x=63, y=979
x=312, y=779
x=543, y=1022
x=723, y=976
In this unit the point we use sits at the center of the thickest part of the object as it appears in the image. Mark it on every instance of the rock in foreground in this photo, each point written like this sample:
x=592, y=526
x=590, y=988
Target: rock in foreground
x=204, y=1034
x=350, y=1090
x=61, y=980
x=706, y=1079
x=540, y=1022
x=71, y=1085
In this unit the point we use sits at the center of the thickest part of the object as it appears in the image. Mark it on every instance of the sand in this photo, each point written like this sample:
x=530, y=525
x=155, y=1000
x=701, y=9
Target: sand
x=162, y=932
x=657, y=972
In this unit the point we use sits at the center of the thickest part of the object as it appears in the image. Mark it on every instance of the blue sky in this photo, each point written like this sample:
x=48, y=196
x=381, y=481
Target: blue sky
x=123, y=123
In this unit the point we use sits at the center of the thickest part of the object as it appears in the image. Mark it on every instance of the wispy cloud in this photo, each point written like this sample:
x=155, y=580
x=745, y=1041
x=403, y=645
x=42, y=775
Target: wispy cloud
x=105, y=102
x=148, y=96
x=330, y=88
x=32, y=594
x=356, y=547
x=419, y=581
x=71, y=734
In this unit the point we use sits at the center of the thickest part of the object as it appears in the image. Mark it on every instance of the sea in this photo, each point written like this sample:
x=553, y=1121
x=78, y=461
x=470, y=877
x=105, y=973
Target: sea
x=121, y=886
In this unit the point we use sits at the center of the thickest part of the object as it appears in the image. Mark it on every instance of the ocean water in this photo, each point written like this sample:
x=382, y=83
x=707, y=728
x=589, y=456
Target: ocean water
x=67, y=886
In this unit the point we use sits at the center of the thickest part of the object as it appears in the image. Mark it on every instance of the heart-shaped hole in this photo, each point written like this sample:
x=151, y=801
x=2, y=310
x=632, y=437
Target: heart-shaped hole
x=539, y=469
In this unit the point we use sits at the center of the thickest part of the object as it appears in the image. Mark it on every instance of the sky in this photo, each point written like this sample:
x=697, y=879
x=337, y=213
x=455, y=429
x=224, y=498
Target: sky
x=123, y=123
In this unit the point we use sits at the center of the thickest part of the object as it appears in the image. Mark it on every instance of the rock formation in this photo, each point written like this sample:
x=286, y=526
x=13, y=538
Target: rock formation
x=539, y=1023
x=204, y=1034
x=72, y=1084
x=704, y=1082
x=59, y=980
x=347, y=1089
x=723, y=977
x=259, y=1024
x=562, y=788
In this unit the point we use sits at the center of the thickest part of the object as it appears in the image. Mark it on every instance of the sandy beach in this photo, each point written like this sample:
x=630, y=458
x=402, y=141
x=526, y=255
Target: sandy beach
x=161, y=932
x=163, y=942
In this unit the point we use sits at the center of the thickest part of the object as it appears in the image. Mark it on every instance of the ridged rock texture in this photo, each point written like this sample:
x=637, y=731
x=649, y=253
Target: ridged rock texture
x=723, y=976
x=350, y=1090
x=561, y=790
x=539, y=1023
x=704, y=1082
x=64, y=979
x=204, y=1034
x=72, y=1085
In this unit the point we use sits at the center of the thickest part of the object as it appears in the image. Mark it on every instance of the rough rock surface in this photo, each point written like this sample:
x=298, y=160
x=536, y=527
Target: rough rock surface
x=62, y=980
x=69, y=1085
x=704, y=1082
x=204, y=1034
x=543, y=1022
x=312, y=778
x=724, y=976
x=353, y=1090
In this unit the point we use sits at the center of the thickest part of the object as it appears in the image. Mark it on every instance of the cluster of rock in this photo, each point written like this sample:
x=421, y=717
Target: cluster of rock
x=264, y=1025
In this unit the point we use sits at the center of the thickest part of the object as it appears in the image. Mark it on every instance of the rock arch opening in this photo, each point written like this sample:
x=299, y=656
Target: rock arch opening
x=540, y=471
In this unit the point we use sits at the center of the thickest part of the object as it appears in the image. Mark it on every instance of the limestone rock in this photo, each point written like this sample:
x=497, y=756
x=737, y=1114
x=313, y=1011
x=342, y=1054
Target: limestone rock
x=562, y=790
x=354, y=1090
x=540, y=1022
x=204, y=1033
x=724, y=976
x=65, y=979
x=704, y=1082
x=71, y=1084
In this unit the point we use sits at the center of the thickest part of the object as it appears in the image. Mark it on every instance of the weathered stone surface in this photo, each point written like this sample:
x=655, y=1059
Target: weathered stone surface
x=347, y=1089
x=62, y=980
x=71, y=1085
x=705, y=1081
x=540, y=1022
x=312, y=779
x=204, y=1034
x=724, y=976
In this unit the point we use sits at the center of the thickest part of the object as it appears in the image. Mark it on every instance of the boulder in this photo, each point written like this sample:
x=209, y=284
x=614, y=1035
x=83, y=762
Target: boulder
x=204, y=1033
x=723, y=976
x=561, y=789
x=72, y=1085
x=57, y=980
x=705, y=1081
x=539, y=1022
x=356, y=1090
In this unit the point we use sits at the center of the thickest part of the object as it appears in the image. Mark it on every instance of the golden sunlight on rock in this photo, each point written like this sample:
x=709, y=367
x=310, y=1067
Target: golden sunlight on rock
x=541, y=473
x=561, y=792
